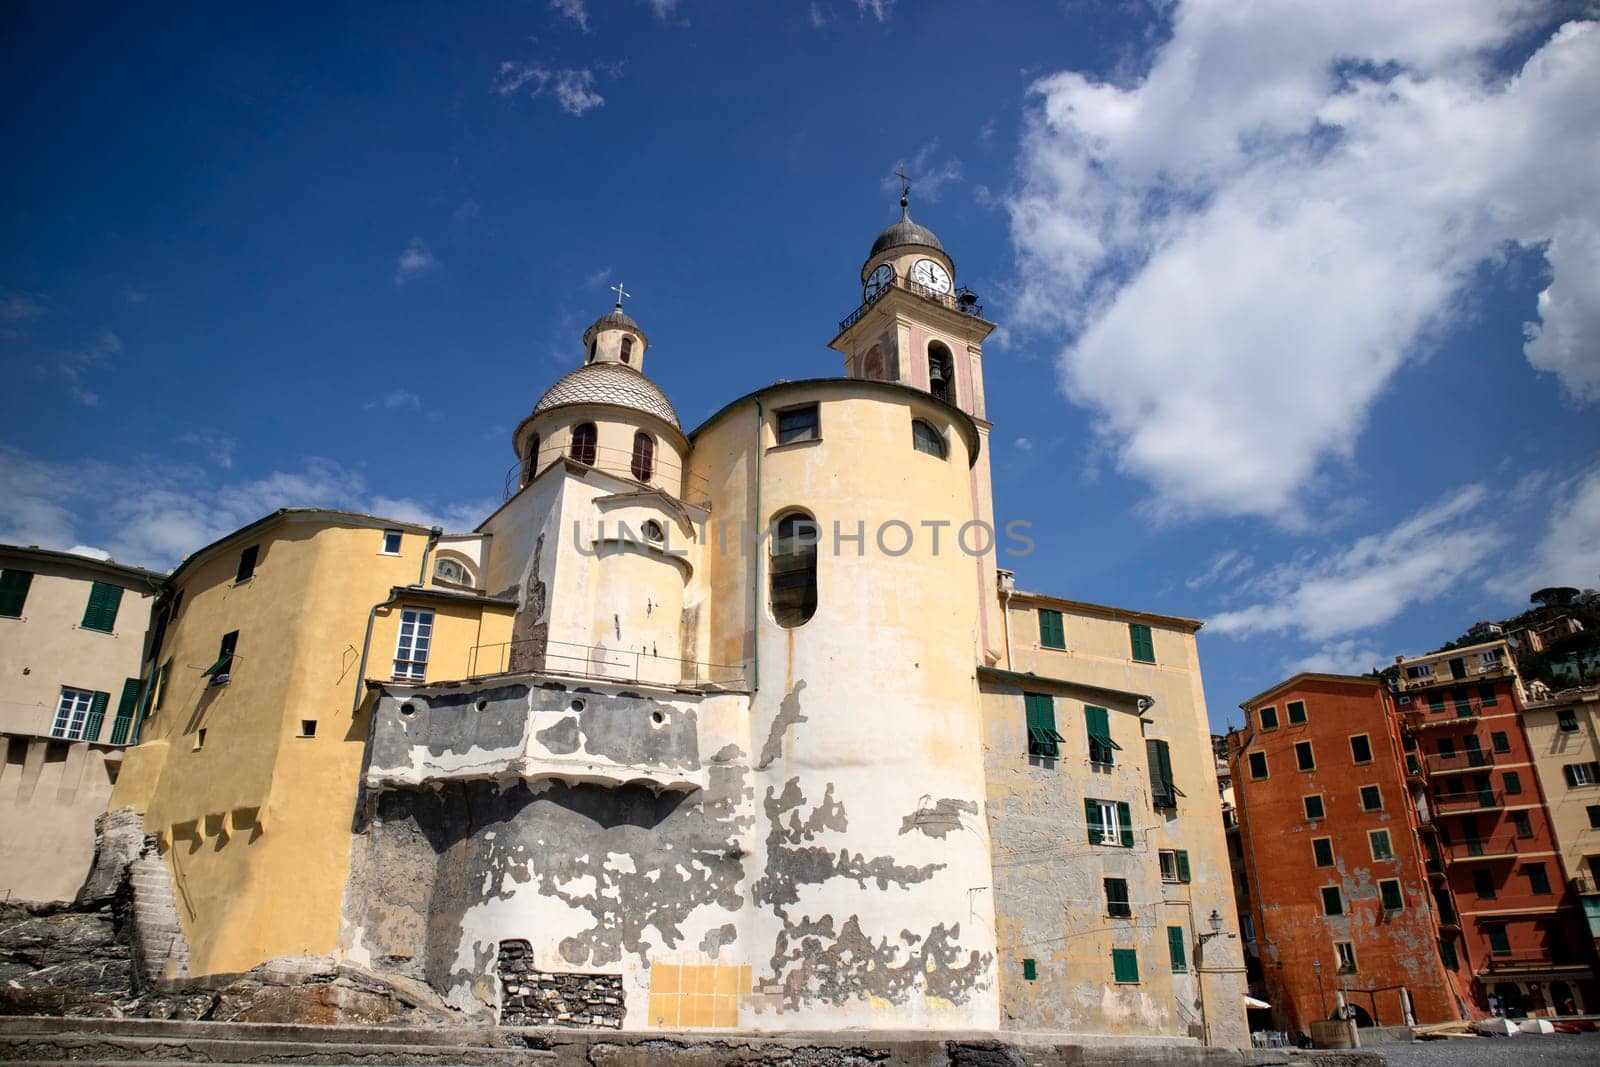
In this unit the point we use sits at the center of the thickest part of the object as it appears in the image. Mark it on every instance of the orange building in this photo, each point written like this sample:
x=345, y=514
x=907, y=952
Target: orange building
x=1342, y=912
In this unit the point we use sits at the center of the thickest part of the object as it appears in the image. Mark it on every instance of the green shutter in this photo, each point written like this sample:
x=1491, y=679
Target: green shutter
x=1052, y=634
x=1176, y=949
x=1030, y=970
x=1183, y=864
x=126, y=707
x=97, y=715
x=1498, y=942
x=1097, y=725
x=148, y=702
x=1091, y=815
x=1447, y=954
x=224, y=662
x=1125, y=819
x=14, y=592
x=1393, y=900
x=101, y=612
x=1144, y=648
x=1042, y=737
x=1125, y=964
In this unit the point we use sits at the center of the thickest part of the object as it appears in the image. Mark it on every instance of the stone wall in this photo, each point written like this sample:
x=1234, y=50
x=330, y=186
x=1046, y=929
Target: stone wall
x=531, y=997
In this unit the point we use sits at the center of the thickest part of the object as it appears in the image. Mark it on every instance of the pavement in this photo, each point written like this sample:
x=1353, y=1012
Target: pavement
x=1546, y=1050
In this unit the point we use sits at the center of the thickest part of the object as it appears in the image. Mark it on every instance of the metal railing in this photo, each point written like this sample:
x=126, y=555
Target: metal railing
x=598, y=662
x=665, y=474
x=1465, y=760
x=963, y=300
x=1426, y=718
x=1520, y=959
x=1476, y=670
x=1476, y=800
x=1487, y=849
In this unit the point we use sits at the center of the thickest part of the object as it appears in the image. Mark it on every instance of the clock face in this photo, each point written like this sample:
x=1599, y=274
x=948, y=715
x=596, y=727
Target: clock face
x=877, y=282
x=931, y=275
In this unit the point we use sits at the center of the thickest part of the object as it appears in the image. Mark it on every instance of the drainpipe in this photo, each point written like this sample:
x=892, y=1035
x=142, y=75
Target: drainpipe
x=755, y=564
x=372, y=617
x=1005, y=622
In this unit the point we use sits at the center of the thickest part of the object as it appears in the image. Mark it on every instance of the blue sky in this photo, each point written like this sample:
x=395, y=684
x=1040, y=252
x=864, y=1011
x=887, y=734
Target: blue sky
x=1301, y=310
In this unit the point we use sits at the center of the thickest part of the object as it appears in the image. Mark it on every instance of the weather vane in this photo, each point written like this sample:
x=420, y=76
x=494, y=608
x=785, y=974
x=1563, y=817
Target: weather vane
x=905, y=186
x=621, y=292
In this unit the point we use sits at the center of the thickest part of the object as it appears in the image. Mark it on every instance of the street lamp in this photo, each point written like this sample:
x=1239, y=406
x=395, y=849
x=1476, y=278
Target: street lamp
x=1316, y=965
x=1215, y=919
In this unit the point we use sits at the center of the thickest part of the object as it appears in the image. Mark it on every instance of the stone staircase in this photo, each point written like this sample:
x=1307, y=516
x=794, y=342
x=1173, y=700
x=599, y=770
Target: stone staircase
x=159, y=945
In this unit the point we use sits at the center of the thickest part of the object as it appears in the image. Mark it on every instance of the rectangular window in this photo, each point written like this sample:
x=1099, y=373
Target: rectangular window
x=1447, y=747
x=1322, y=851
x=1499, y=741
x=1371, y=798
x=1097, y=724
x=1582, y=773
x=1412, y=766
x=1522, y=824
x=1435, y=703
x=1297, y=712
x=308, y=728
x=14, y=592
x=1269, y=718
x=1332, y=902
x=411, y=648
x=1177, y=949
x=1174, y=865
x=1447, y=954
x=1389, y=892
x=1360, y=749
x=391, y=542
x=1125, y=965
x=1513, y=783
x=1042, y=737
x=122, y=725
x=1117, y=905
x=1164, y=792
x=101, y=611
x=1052, y=633
x=247, y=564
x=1378, y=841
x=1499, y=943
x=1463, y=702
x=1594, y=816
x=1483, y=885
x=1110, y=822
x=1423, y=671
x=160, y=698
x=1487, y=696
x=1313, y=804
x=1567, y=720
x=1258, y=765
x=1538, y=879
x=74, y=710
x=1143, y=645
x=798, y=424
x=1346, y=954
x=1030, y=970
x=222, y=669
x=1303, y=757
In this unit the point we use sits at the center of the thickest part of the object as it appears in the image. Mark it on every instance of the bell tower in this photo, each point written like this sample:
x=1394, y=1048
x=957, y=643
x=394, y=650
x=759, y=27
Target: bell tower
x=914, y=325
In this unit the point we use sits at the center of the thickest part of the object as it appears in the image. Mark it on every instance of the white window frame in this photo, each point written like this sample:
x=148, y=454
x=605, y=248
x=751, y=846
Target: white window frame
x=399, y=540
x=1423, y=670
x=1110, y=828
x=71, y=713
x=1581, y=775
x=412, y=644
x=1345, y=954
x=1168, y=859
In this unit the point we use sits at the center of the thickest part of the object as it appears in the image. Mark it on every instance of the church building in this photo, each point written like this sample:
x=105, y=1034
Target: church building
x=736, y=727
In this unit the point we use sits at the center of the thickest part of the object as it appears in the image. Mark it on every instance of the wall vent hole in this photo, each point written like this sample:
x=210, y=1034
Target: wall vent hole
x=577, y=704
x=657, y=718
x=408, y=709
x=482, y=704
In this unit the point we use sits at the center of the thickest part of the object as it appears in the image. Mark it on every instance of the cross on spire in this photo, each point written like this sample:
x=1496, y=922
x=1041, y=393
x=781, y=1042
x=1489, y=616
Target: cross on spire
x=905, y=188
x=621, y=292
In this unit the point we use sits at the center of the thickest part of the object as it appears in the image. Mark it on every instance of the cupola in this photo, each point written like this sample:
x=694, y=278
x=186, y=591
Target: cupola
x=615, y=338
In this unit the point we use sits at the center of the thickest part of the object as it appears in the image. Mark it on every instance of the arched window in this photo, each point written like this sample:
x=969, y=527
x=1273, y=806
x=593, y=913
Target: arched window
x=593, y=341
x=872, y=367
x=448, y=570
x=653, y=531
x=644, y=456
x=924, y=438
x=627, y=349
x=941, y=372
x=583, y=438
x=794, y=569
x=530, y=466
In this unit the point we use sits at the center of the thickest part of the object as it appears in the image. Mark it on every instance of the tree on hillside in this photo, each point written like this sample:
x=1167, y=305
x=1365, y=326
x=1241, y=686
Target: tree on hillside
x=1554, y=596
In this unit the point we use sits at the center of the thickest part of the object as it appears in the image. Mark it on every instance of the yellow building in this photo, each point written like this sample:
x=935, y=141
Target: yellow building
x=1564, y=734
x=718, y=728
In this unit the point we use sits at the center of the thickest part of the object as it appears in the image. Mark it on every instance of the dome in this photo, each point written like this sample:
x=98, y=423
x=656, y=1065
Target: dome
x=905, y=232
x=608, y=383
x=615, y=319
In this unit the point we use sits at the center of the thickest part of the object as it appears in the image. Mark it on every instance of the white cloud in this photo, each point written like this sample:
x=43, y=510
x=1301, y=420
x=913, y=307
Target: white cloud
x=395, y=400
x=928, y=175
x=663, y=9
x=153, y=513
x=1341, y=657
x=573, y=89
x=1226, y=567
x=90, y=551
x=20, y=307
x=218, y=447
x=1023, y=444
x=1375, y=578
x=73, y=365
x=878, y=9
x=1249, y=242
x=818, y=16
x=576, y=10
x=1568, y=552
x=414, y=262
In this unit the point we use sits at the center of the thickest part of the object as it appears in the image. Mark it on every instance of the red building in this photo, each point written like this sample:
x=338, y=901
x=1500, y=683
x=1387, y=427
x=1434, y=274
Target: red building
x=1337, y=879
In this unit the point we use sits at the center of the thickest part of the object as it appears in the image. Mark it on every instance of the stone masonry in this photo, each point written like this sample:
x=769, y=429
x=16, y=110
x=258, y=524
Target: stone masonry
x=538, y=998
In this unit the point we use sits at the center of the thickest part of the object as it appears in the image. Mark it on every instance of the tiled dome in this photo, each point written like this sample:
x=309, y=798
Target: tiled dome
x=905, y=232
x=608, y=383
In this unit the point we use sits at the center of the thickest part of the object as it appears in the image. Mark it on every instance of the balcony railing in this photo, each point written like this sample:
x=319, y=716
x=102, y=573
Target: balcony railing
x=1465, y=760
x=600, y=663
x=665, y=473
x=963, y=300
x=1493, y=848
x=1474, y=670
x=1522, y=959
x=1477, y=800
x=1451, y=714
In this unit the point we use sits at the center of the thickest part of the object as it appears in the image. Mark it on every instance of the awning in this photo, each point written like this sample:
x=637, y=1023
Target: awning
x=1252, y=1002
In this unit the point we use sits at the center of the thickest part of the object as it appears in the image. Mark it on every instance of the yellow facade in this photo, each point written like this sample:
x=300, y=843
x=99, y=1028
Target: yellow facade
x=1564, y=731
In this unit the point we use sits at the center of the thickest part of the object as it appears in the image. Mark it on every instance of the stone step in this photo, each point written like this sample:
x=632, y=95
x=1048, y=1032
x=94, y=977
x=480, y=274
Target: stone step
x=111, y=1048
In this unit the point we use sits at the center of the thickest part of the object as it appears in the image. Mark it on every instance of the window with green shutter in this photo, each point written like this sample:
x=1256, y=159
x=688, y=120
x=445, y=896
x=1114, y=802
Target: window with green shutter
x=14, y=592
x=122, y=725
x=1125, y=965
x=97, y=715
x=1117, y=905
x=1447, y=954
x=1463, y=703
x=1030, y=970
x=1042, y=737
x=1435, y=703
x=1393, y=898
x=1124, y=824
x=1499, y=943
x=1144, y=647
x=220, y=670
x=1052, y=634
x=1097, y=723
x=101, y=612
x=1183, y=864
x=1109, y=822
x=1177, y=950
x=247, y=564
x=1164, y=792
x=1538, y=879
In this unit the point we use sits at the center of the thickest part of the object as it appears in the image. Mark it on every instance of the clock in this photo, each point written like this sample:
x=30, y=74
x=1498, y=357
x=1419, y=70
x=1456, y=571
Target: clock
x=879, y=280
x=931, y=275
